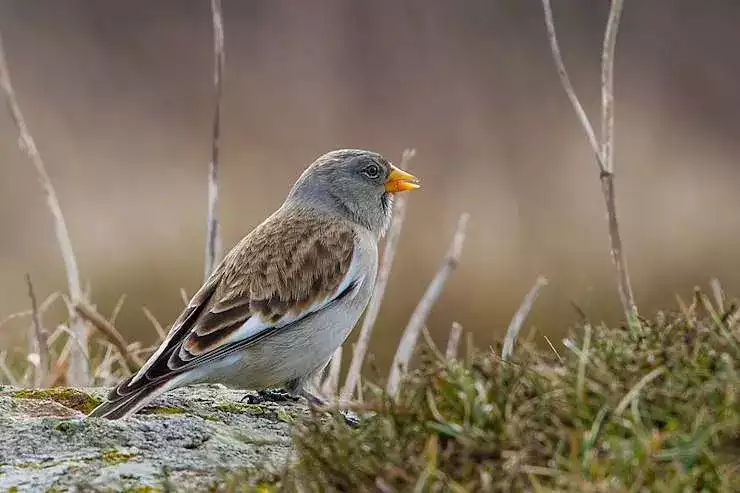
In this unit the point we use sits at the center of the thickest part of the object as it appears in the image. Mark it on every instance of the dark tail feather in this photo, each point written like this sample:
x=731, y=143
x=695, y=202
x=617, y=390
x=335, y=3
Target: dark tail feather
x=122, y=402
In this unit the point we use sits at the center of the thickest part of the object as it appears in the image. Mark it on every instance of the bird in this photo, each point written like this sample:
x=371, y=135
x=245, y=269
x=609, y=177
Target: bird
x=279, y=304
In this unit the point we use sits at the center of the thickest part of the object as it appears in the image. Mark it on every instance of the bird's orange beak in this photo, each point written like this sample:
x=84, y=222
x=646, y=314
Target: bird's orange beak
x=400, y=181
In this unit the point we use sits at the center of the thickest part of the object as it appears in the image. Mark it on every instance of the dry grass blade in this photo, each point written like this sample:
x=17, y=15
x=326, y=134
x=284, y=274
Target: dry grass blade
x=132, y=362
x=518, y=320
x=117, y=309
x=213, y=239
x=41, y=343
x=634, y=391
x=718, y=293
x=582, y=362
x=330, y=386
x=421, y=313
x=78, y=371
x=6, y=371
x=453, y=341
x=161, y=333
x=373, y=309
x=184, y=296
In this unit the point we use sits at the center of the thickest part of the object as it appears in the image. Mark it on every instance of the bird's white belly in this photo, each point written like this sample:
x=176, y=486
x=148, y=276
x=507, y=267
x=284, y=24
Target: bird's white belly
x=298, y=350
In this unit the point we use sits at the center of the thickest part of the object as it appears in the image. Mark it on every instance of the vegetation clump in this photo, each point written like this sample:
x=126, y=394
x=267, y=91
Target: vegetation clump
x=653, y=408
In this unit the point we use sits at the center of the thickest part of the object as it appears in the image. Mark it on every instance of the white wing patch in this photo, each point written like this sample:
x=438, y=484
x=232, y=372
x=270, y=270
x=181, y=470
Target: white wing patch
x=255, y=325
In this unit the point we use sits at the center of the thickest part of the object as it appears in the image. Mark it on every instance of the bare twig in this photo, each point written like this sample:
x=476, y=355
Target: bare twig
x=607, y=85
x=453, y=341
x=27, y=313
x=421, y=313
x=213, y=239
x=157, y=326
x=373, y=309
x=330, y=386
x=604, y=152
x=624, y=285
x=517, y=320
x=132, y=362
x=78, y=372
x=568, y=86
x=41, y=343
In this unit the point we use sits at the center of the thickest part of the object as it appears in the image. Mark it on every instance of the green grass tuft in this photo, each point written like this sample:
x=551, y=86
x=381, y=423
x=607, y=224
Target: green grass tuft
x=654, y=409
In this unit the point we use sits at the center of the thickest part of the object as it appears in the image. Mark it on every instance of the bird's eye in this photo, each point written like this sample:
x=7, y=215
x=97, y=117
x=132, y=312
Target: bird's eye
x=372, y=171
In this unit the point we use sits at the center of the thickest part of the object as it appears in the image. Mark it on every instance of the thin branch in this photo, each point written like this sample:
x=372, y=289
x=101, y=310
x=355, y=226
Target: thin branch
x=213, y=239
x=330, y=386
x=568, y=86
x=605, y=151
x=517, y=320
x=132, y=362
x=421, y=313
x=78, y=372
x=371, y=315
x=624, y=285
x=453, y=341
x=41, y=343
x=607, y=85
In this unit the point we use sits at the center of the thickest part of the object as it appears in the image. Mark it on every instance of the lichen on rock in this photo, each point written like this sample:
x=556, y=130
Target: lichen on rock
x=187, y=437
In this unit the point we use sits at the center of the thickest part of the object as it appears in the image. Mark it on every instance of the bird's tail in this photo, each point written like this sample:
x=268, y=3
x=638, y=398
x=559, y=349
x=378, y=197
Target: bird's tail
x=126, y=399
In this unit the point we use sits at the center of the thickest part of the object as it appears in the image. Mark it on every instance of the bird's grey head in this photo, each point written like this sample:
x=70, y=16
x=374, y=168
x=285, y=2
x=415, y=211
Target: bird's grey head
x=353, y=184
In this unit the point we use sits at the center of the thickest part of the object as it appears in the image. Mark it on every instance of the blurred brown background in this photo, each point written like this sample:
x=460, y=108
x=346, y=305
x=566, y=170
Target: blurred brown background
x=119, y=97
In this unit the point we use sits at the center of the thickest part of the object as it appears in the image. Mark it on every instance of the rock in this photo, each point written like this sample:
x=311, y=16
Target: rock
x=188, y=438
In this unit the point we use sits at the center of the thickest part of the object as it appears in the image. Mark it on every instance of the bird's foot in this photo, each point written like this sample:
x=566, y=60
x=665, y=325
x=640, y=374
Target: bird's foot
x=350, y=419
x=319, y=404
x=269, y=395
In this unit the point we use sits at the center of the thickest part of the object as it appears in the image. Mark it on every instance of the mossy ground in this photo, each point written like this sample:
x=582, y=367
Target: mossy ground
x=162, y=410
x=68, y=397
x=653, y=408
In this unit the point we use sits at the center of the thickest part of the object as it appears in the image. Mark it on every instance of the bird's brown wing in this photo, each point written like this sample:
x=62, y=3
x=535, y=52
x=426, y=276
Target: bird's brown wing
x=288, y=267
